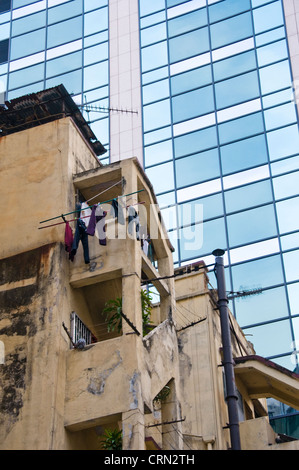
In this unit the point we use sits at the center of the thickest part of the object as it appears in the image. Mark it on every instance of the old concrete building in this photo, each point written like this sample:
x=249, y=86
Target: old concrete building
x=66, y=375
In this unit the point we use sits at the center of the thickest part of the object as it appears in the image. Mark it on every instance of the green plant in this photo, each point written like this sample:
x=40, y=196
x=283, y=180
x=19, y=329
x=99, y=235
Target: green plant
x=113, y=311
x=146, y=306
x=112, y=439
x=163, y=394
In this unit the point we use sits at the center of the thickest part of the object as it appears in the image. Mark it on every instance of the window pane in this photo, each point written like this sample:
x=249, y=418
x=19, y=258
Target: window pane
x=238, y=89
x=271, y=339
x=275, y=77
x=244, y=154
x=35, y=87
x=95, y=21
x=240, y=128
x=66, y=31
x=155, y=91
x=147, y=7
x=95, y=38
x=264, y=272
x=287, y=185
x=152, y=19
x=285, y=213
x=293, y=292
x=187, y=22
x=5, y=5
x=212, y=206
x=283, y=166
x=188, y=45
x=268, y=17
x=154, y=56
x=25, y=76
x=28, y=44
x=197, y=168
x=270, y=36
x=272, y=53
x=289, y=242
x=72, y=82
x=201, y=239
x=28, y=23
x=232, y=30
x=290, y=261
x=153, y=34
x=64, y=11
x=283, y=142
x=191, y=79
x=156, y=136
x=161, y=177
x=192, y=104
x=251, y=225
x=228, y=8
x=158, y=153
x=280, y=116
x=154, y=75
x=96, y=53
x=265, y=306
x=276, y=98
x=92, y=4
x=156, y=115
x=96, y=75
x=248, y=196
x=234, y=65
x=195, y=142
x=4, y=51
x=101, y=130
x=64, y=64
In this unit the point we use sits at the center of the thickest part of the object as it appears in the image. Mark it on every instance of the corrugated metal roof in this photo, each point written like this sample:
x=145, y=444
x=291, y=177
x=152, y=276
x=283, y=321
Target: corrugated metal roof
x=45, y=106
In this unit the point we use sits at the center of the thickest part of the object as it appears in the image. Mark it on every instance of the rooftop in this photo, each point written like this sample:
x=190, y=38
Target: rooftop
x=45, y=106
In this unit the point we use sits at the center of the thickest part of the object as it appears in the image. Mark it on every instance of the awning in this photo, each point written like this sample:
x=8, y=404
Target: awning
x=264, y=379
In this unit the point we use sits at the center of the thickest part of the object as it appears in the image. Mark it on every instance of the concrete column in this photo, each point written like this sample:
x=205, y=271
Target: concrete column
x=125, y=81
x=291, y=10
x=133, y=430
x=172, y=438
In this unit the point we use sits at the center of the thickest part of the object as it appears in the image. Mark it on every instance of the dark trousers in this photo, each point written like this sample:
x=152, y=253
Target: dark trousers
x=81, y=234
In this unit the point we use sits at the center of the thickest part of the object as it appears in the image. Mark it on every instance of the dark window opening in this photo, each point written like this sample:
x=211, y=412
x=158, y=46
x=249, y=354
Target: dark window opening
x=5, y=5
x=4, y=51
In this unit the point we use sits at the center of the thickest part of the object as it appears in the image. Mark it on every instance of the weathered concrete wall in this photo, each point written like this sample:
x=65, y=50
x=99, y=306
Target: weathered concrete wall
x=31, y=302
x=36, y=168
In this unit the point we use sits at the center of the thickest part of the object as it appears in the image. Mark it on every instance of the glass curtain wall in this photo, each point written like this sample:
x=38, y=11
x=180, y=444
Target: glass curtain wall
x=48, y=42
x=221, y=148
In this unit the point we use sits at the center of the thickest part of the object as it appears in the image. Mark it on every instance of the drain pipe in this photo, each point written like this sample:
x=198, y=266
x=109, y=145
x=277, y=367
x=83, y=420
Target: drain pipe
x=228, y=362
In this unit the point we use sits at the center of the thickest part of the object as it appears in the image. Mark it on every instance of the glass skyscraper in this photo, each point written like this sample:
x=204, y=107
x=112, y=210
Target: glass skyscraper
x=203, y=92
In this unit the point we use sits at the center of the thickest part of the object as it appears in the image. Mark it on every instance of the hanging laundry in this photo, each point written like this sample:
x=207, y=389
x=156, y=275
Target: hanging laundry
x=101, y=225
x=68, y=238
x=97, y=224
x=150, y=251
x=85, y=213
x=145, y=246
x=117, y=211
x=133, y=219
x=92, y=221
x=80, y=234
